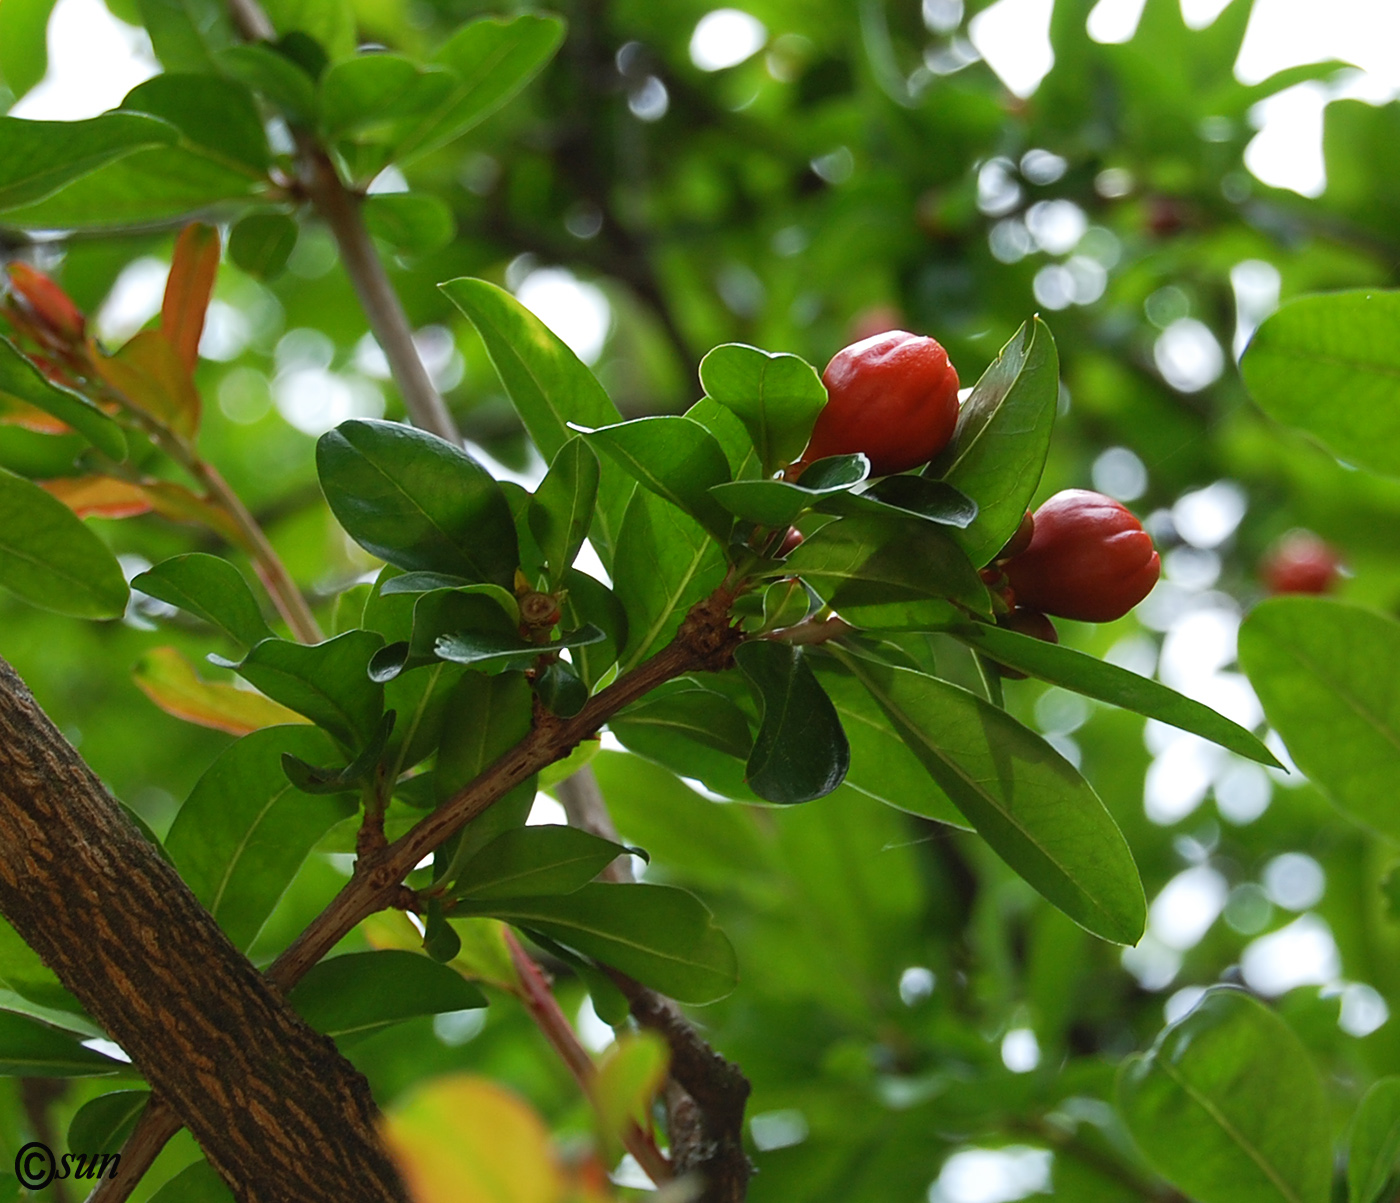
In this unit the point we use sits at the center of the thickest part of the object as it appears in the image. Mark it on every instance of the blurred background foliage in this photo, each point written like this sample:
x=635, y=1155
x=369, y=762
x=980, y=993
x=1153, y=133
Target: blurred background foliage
x=915, y=1020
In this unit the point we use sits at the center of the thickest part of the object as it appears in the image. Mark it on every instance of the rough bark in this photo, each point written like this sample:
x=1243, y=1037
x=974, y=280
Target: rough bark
x=279, y=1113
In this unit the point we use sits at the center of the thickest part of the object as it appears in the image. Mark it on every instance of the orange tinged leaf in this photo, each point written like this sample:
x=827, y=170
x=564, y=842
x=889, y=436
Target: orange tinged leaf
x=187, y=291
x=100, y=496
x=150, y=375
x=179, y=504
x=49, y=302
x=14, y=412
x=166, y=677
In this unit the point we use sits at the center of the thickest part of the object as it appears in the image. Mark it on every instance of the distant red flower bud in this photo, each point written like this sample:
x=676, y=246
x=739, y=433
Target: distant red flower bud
x=1300, y=562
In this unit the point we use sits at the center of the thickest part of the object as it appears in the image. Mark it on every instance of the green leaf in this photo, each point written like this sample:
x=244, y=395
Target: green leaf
x=779, y=503
x=677, y=459
x=560, y=689
x=352, y=996
x=413, y=223
x=338, y=778
x=550, y=387
x=493, y=58
x=1108, y=683
x=50, y=559
x=889, y=571
x=209, y=588
x=801, y=751
x=197, y=1183
x=563, y=507
x=24, y=49
x=1028, y=802
x=30, y=1049
x=695, y=731
x=417, y=501
x=102, y=1125
x=244, y=831
x=261, y=243
x=933, y=500
x=380, y=96
x=186, y=34
x=729, y=432
x=331, y=23
x=497, y=653
x=663, y=937
x=1374, y=1156
x=445, y=612
x=882, y=766
x=1228, y=1107
x=37, y=158
x=1002, y=438
x=1325, y=672
x=218, y=116
x=665, y=564
x=1330, y=365
x=777, y=397
x=22, y=379
x=589, y=602
x=534, y=861
x=32, y=988
x=327, y=682
x=274, y=76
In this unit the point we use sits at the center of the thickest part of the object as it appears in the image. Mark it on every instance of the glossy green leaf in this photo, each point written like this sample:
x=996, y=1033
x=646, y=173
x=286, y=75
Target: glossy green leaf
x=50, y=559
x=934, y=500
x=1096, y=678
x=413, y=223
x=417, y=501
x=209, y=588
x=663, y=937
x=493, y=59
x=730, y=434
x=1373, y=1160
x=588, y=602
x=665, y=563
x=882, y=766
x=327, y=682
x=892, y=572
x=37, y=158
x=1002, y=438
x=1028, y=802
x=1325, y=672
x=352, y=996
x=102, y=1125
x=777, y=397
x=535, y=861
x=20, y=378
x=380, y=96
x=244, y=831
x=550, y=387
x=24, y=50
x=1330, y=365
x=684, y=709
x=800, y=752
x=487, y=652
x=563, y=505
x=30, y=1049
x=218, y=116
x=677, y=459
x=778, y=503
x=1228, y=1107
x=261, y=243
x=560, y=689
x=448, y=612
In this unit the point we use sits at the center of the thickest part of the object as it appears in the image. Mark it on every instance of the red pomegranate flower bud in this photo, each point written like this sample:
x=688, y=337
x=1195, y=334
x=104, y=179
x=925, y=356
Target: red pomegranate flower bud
x=1088, y=559
x=49, y=302
x=1300, y=562
x=893, y=396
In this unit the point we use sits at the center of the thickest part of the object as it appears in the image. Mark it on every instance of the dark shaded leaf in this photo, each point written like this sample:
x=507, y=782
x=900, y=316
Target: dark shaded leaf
x=30, y=1049
x=261, y=243
x=102, y=1125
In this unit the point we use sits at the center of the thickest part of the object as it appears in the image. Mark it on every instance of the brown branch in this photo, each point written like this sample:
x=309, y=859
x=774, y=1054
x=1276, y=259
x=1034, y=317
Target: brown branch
x=278, y=1112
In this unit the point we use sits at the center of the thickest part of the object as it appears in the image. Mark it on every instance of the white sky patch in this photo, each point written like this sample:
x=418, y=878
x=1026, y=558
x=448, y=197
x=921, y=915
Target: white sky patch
x=1187, y=907
x=992, y=1175
x=94, y=61
x=135, y=299
x=577, y=312
x=1301, y=954
x=725, y=38
x=1014, y=37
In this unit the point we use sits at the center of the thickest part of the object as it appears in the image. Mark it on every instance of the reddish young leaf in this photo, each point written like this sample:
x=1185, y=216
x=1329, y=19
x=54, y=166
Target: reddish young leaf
x=100, y=496
x=149, y=374
x=165, y=676
x=49, y=302
x=14, y=412
x=187, y=291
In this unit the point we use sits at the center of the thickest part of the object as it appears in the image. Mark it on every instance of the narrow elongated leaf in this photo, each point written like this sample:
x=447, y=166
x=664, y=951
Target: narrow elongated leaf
x=103, y=1124
x=20, y=378
x=355, y=995
x=801, y=751
x=677, y=459
x=165, y=676
x=663, y=937
x=188, y=289
x=535, y=861
x=209, y=588
x=1028, y=802
x=1096, y=678
x=892, y=572
x=778, y=503
x=417, y=501
x=1228, y=1107
x=550, y=387
x=1325, y=672
x=665, y=564
x=1002, y=438
x=934, y=500
x=30, y=1049
x=24, y=50
x=50, y=559
x=562, y=508
x=244, y=831
x=488, y=652
x=38, y=157
x=777, y=397
x=1330, y=365
x=1374, y=1157
x=493, y=59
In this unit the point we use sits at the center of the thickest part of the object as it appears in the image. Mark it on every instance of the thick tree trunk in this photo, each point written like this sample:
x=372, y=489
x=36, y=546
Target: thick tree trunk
x=279, y=1113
